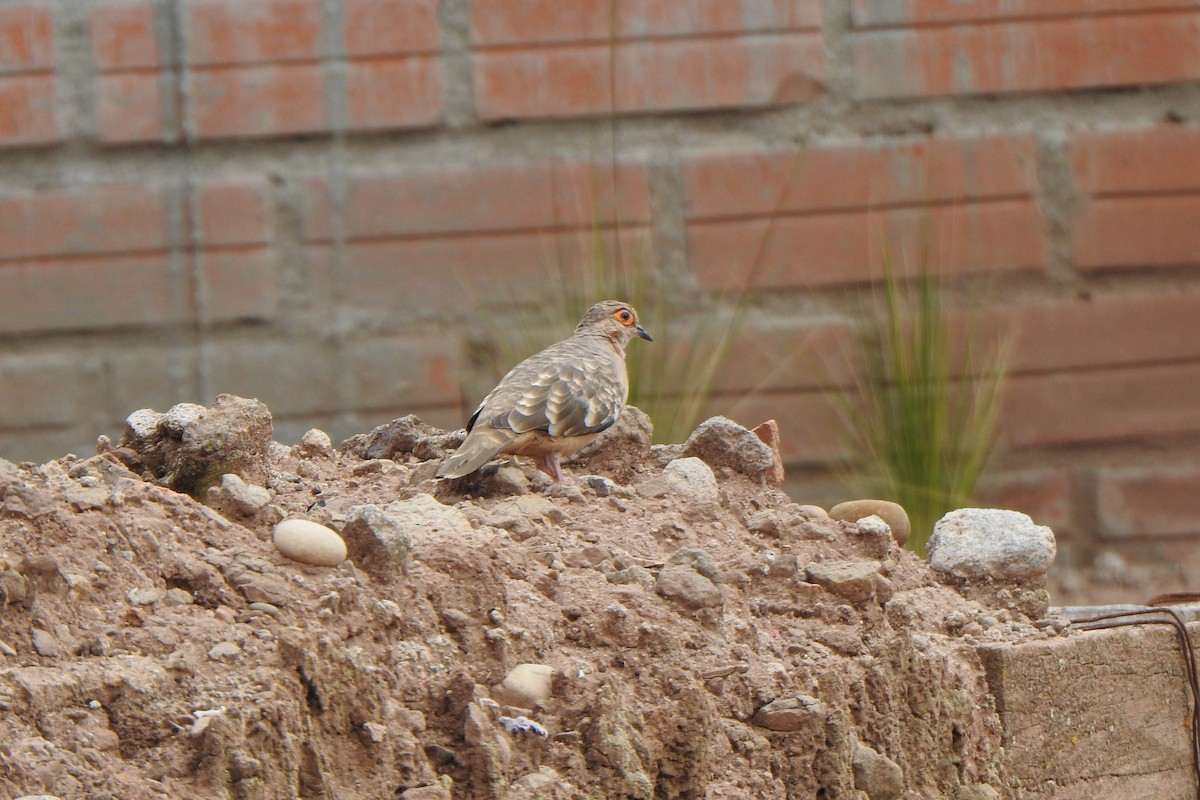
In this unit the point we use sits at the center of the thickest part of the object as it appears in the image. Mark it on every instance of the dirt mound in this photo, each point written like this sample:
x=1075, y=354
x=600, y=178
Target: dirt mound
x=706, y=637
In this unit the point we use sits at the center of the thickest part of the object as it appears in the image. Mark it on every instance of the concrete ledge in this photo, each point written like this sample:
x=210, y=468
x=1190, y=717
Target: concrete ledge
x=1102, y=714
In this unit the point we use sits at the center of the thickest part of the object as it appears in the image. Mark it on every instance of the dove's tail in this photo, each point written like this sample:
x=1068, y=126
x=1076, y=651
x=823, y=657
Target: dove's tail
x=480, y=447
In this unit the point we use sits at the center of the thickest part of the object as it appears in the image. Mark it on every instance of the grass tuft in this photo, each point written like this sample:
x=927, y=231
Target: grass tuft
x=919, y=417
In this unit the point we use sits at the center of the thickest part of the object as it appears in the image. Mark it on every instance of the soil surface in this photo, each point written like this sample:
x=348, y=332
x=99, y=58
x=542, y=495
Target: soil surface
x=708, y=637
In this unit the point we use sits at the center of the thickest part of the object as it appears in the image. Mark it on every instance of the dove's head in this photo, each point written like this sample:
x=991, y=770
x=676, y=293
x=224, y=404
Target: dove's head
x=614, y=320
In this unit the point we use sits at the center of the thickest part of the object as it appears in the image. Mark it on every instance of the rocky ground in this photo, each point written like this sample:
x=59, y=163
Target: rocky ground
x=671, y=627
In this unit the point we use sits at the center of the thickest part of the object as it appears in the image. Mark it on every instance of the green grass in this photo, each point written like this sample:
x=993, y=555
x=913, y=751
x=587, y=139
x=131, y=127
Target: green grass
x=919, y=418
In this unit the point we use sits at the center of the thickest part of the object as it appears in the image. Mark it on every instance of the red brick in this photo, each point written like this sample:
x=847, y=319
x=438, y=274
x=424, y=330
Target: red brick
x=235, y=214
x=391, y=27
x=240, y=284
x=858, y=176
x=1129, y=221
x=401, y=373
x=463, y=200
x=769, y=357
x=129, y=108
x=258, y=101
x=666, y=75
x=223, y=32
x=27, y=110
x=394, y=93
x=115, y=218
x=1126, y=329
x=1043, y=494
x=507, y=22
x=86, y=293
x=124, y=36
x=1157, y=159
x=414, y=274
x=1140, y=502
x=26, y=37
x=1133, y=232
x=1102, y=406
x=871, y=13
x=843, y=247
x=1029, y=56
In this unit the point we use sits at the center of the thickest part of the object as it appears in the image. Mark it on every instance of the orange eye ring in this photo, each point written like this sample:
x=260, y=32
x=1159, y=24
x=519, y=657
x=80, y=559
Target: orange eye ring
x=624, y=316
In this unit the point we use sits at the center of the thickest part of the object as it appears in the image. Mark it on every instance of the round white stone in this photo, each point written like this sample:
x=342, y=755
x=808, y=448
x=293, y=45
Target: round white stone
x=309, y=543
x=526, y=685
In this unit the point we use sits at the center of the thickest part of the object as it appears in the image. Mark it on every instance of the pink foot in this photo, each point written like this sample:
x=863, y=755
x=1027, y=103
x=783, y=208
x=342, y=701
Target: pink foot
x=548, y=464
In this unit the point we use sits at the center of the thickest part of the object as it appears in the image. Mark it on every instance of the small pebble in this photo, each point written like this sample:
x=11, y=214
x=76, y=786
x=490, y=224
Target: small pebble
x=179, y=597
x=309, y=543
x=224, y=650
x=891, y=513
x=144, y=596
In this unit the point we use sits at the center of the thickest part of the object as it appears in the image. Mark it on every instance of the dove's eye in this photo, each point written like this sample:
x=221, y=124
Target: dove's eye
x=624, y=316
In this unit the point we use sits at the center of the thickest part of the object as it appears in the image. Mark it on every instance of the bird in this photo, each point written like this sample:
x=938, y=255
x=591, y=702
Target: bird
x=556, y=401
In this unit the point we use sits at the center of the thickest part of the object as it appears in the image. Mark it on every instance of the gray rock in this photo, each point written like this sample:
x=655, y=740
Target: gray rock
x=525, y=686
x=260, y=587
x=693, y=480
x=401, y=437
x=509, y=480
x=978, y=543
x=790, y=714
x=853, y=580
x=224, y=650
x=697, y=560
x=236, y=499
x=45, y=643
x=632, y=574
x=431, y=792
x=190, y=447
x=721, y=442
x=144, y=596
x=314, y=443
x=688, y=587
x=176, y=596
x=423, y=515
x=377, y=542
x=876, y=774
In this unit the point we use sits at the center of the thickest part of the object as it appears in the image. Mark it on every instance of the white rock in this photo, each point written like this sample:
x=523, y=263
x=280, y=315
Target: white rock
x=143, y=423
x=224, y=650
x=144, y=596
x=423, y=515
x=693, y=479
x=309, y=543
x=525, y=686
x=976, y=543
x=182, y=416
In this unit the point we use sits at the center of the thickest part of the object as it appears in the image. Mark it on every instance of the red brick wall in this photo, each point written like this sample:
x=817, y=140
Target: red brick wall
x=316, y=202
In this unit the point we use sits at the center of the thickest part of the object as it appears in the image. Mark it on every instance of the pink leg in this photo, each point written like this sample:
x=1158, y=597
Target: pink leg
x=548, y=464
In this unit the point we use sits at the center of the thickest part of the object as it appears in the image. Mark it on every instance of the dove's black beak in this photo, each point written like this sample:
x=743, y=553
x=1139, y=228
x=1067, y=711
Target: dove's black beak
x=642, y=333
